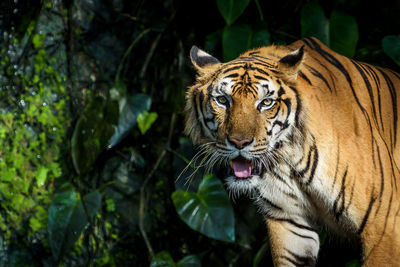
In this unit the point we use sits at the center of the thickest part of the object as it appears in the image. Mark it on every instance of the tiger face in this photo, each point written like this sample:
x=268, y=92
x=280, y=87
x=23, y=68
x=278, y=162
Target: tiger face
x=247, y=110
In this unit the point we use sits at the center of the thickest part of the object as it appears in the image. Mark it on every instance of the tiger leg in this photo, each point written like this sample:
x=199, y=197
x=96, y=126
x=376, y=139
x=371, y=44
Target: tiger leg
x=292, y=242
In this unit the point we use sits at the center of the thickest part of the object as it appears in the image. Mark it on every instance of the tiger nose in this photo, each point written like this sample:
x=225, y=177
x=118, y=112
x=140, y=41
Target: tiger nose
x=240, y=143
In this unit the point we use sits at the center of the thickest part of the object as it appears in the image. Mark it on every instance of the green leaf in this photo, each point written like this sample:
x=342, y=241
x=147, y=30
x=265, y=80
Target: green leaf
x=67, y=219
x=343, y=32
x=208, y=211
x=391, y=47
x=314, y=22
x=129, y=109
x=90, y=136
x=260, y=254
x=189, y=261
x=340, y=32
x=145, y=120
x=236, y=39
x=231, y=9
x=162, y=259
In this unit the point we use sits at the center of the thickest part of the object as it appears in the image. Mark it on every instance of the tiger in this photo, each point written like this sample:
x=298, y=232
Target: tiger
x=312, y=136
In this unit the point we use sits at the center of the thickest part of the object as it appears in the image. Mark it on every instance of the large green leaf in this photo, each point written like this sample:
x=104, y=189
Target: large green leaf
x=231, y=9
x=67, y=219
x=391, y=46
x=129, y=109
x=208, y=211
x=340, y=32
x=90, y=136
x=343, y=32
x=236, y=39
x=314, y=22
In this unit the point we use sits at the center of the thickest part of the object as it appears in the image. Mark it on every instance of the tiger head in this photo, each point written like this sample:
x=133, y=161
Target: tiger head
x=244, y=111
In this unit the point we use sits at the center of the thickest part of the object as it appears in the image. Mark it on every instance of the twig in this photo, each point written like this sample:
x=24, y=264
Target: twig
x=128, y=51
x=142, y=204
x=149, y=55
x=153, y=48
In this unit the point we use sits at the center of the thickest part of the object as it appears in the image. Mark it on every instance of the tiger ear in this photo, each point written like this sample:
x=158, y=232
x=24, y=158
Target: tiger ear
x=201, y=59
x=290, y=63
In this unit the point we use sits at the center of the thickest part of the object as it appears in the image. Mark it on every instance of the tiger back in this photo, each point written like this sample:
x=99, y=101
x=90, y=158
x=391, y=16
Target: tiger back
x=312, y=137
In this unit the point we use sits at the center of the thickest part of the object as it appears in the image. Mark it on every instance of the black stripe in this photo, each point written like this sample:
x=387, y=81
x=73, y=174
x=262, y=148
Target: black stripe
x=319, y=75
x=307, y=42
x=260, y=77
x=273, y=205
x=308, y=163
x=367, y=213
x=288, y=104
x=314, y=167
x=369, y=88
x=303, y=260
x=335, y=62
x=393, y=96
x=232, y=68
x=302, y=236
x=254, y=53
x=259, y=70
x=295, y=263
x=281, y=91
x=341, y=196
x=394, y=73
x=302, y=75
x=337, y=164
x=233, y=75
x=298, y=225
x=374, y=75
x=277, y=176
x=275, y=114
x=298, y=108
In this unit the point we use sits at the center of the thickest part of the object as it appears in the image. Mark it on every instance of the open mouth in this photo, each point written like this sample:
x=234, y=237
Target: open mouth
x=242, y=168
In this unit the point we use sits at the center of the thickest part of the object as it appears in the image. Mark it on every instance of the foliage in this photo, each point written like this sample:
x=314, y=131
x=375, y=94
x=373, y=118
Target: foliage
x=208, y=211
x=94, y=168
x=340, y=32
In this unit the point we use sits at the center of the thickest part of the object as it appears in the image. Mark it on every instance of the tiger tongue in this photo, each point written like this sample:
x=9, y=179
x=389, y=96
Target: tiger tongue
x=241, y=167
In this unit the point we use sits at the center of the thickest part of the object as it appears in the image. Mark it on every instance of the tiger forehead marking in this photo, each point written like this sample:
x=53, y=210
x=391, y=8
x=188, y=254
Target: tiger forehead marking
x=248, y=84
x=312, y=137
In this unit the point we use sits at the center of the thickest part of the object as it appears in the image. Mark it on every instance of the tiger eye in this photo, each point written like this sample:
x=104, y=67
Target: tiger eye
x=266, y=104
x=222, y=100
